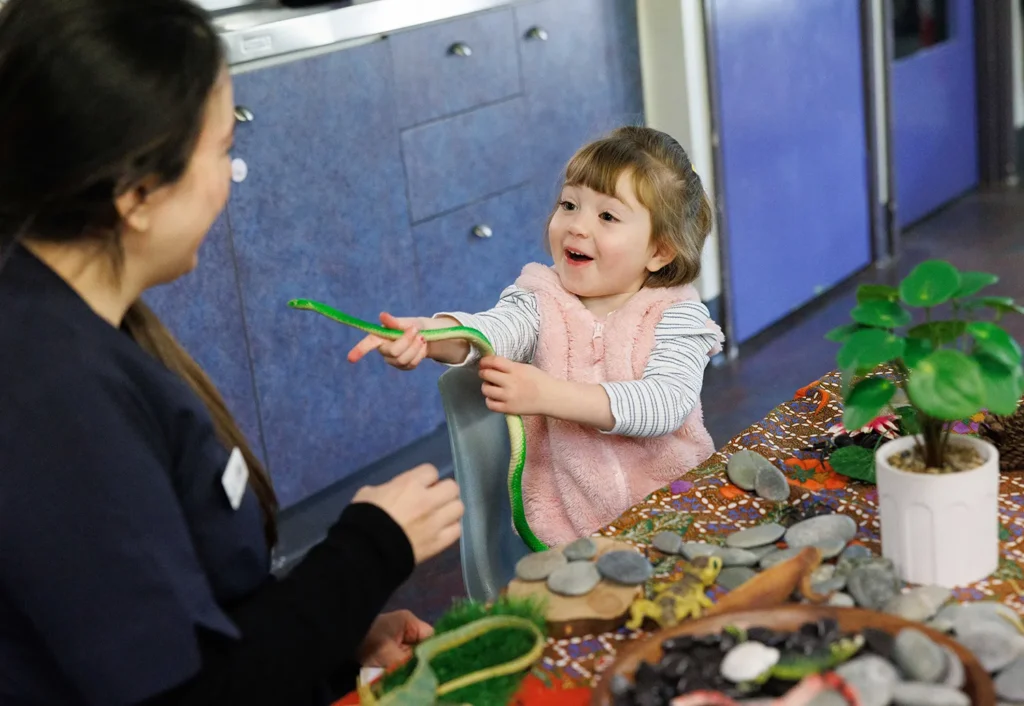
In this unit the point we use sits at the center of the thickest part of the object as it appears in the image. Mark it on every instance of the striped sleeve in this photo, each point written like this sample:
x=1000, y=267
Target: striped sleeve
x=660, y=401
x=512, y=326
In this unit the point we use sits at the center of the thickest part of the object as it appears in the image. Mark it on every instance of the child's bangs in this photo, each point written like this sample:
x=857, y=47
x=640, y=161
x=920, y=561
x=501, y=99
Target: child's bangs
x=598, y=166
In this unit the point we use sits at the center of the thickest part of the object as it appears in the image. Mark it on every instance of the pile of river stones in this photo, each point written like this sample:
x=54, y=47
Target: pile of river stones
x=759, y=664
x=572, y=570
x=991, y=631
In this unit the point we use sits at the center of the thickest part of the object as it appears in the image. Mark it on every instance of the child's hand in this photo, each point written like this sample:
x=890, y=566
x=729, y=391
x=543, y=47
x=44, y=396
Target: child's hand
x=514, y=388
x=404, y=353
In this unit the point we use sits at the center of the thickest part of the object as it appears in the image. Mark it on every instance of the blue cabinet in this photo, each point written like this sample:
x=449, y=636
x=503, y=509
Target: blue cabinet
x=454, y=66
x=581, y=75
x=322, y=215
x=465, y=259
x=203, y=311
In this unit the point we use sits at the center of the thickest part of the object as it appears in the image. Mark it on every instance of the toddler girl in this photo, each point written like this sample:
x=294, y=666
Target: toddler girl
x=603, y=353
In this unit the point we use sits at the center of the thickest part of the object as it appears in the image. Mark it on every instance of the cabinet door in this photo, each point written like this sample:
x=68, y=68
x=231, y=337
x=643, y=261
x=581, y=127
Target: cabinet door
x=581, y=73
x=465, y=259
x=322, y=215
x=203, y=311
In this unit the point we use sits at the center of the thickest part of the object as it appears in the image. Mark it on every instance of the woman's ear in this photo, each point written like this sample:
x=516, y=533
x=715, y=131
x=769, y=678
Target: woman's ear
x=136, y=205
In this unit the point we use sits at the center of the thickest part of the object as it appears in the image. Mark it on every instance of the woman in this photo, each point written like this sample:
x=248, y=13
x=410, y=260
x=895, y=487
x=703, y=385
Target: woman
x=135, y=523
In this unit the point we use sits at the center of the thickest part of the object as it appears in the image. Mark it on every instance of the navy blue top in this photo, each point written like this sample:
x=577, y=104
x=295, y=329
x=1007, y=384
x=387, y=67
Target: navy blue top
x=117, y=538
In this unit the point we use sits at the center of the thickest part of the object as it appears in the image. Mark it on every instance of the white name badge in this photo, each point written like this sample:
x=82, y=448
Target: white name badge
x=235, y=478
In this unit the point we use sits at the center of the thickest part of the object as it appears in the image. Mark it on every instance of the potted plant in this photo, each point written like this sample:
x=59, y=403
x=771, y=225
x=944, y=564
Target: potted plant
x=937, y=491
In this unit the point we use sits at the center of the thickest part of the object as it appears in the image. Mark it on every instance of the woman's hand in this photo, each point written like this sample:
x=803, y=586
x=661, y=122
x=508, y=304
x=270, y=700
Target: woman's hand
x=515, y=388
x=391, y=639
x=427, y=510
x=404, y=353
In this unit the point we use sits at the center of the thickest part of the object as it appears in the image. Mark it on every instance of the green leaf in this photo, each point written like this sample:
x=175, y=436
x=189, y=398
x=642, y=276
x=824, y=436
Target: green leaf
x=929, y=284
x=868, y=348
x=947, y=385
x=996, y=342
x=1004, y=305
x=854, y=462
x=876, y=293
x=841, y=333
x=881, y=314
x=866, y=401
x=916, y=350
x=973, y=282
x=939, y=332
x=1004, y=384
x=909, y=421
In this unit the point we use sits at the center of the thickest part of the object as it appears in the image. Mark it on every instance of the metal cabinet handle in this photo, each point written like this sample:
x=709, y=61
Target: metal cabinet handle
x=483, y=231
x=537, y=33
x=243, y=114
x=460, y=49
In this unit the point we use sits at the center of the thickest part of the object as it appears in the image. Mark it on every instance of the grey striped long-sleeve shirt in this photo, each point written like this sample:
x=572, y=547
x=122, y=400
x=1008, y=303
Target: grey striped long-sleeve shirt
x=654, y=405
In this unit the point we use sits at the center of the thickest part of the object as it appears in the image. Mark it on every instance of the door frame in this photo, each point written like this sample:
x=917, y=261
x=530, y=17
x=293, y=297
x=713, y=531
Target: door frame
x=997, y=138
x=876, y=59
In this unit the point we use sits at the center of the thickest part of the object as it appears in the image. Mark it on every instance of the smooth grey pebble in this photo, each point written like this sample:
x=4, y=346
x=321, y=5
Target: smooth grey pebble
x=731, y=556
x=747, y=661
x=735, y=576
x=918, y=656
x=940, y=625
x=856, y=551
x=828, y=698
x=830, y=548
x=668, y=542
x=956, y=675
x=911, y=693
x=1010, y=682
x=743, y=466
x=771, y=484
x=815, y=530
x=910, y=606
x=625, y=567
x=992, y=648
x=836, y=583
x=582, y=549
x=778, y=557
x=872, y=586
x=873, y=678
x=823, y=573
x=841, y=600
x=996, y=617
x=538, y=566
x=692, y=550
x=759, y=536
x=577, y=578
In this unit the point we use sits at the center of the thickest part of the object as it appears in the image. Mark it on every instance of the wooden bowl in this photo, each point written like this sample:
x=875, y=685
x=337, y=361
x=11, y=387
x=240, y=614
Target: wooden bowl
x=851, y=620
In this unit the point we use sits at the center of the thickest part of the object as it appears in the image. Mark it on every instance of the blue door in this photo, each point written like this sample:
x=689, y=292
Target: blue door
x=935, y=130
x=794, y=153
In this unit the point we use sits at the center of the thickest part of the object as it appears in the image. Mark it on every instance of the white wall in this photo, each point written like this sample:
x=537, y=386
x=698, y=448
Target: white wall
x=674, y=69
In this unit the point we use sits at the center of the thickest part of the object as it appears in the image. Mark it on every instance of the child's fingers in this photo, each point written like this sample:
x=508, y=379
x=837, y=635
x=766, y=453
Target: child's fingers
x=496, y=405
x=492, y=376
x=399, y=348
x=493, y=392
x=496, y=362
x=403, y=324
x=366, y=345
x=416, y=347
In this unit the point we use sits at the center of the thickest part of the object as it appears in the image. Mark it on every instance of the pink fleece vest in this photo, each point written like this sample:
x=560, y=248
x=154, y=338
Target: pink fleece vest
x=576, y=478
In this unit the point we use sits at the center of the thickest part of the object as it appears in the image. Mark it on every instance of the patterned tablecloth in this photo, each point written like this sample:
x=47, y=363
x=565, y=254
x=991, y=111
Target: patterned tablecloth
x=705, y=505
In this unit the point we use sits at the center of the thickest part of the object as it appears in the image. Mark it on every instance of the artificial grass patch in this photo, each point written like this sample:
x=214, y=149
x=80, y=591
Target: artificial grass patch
x=492, y=648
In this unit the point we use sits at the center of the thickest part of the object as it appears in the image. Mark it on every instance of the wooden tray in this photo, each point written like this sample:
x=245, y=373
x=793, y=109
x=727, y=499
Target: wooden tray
x=851, y=620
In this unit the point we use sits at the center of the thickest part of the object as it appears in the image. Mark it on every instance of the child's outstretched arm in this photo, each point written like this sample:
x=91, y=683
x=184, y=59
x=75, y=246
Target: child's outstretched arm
x=511, y=326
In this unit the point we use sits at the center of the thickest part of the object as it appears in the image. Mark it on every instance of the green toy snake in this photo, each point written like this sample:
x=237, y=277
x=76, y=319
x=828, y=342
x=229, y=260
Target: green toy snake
x=516, y=430
x=422, y=687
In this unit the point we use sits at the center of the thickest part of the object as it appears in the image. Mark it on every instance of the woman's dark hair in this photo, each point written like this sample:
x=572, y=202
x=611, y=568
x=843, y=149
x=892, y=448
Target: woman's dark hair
x=100, y=97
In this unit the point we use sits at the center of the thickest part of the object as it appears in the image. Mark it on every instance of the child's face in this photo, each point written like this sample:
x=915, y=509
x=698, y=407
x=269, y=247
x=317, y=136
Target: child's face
x=602, y=245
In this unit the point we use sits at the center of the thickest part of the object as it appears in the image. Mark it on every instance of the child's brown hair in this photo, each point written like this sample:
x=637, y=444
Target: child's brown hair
x=665, y=183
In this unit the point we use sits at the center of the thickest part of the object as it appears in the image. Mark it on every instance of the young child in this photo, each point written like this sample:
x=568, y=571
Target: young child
x=604, y=353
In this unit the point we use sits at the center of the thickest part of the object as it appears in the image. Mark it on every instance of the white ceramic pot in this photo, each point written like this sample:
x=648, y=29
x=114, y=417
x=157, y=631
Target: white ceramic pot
x=940, y=529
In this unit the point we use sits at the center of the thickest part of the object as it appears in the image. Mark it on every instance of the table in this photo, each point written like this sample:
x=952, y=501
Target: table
x=704, y=504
